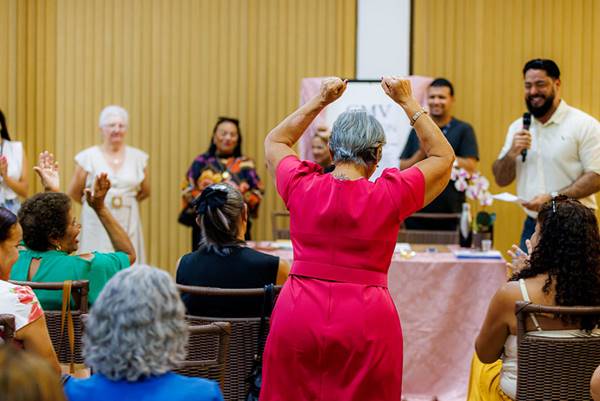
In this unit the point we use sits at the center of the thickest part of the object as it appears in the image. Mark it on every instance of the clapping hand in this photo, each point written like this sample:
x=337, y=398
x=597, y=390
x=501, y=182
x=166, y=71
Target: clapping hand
x=397, y=88
x=519, y=258
x=332, y=89
x=95, y=197
x=47, y=170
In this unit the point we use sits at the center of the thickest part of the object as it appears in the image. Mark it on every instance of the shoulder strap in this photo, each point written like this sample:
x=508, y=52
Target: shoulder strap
x=266, y=312
x=65, y=314
x=525, y=295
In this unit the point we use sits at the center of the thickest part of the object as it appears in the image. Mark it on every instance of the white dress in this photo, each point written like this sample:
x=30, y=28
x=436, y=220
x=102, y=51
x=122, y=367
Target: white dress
x=121, y=201
x=13, y=151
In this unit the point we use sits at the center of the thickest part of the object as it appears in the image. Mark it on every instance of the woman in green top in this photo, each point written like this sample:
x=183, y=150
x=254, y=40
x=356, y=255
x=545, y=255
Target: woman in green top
x=50, y=232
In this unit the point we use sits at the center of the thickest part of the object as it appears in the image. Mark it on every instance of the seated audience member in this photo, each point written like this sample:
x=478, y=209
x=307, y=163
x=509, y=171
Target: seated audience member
x=50, y=231
x=135, y=335
x=320, y=148
x=563, y=269
x=31, y=332
x=25, y=376
x=223, y=259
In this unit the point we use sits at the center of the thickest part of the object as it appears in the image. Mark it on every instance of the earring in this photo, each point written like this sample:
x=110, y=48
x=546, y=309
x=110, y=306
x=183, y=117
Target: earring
x=57, y=247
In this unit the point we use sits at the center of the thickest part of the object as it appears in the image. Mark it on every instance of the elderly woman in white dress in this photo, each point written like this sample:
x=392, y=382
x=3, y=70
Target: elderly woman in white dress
x=127, y=170
x=14, y=181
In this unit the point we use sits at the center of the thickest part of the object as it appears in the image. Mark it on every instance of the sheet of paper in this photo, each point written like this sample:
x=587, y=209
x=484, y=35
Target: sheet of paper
x=508, y=197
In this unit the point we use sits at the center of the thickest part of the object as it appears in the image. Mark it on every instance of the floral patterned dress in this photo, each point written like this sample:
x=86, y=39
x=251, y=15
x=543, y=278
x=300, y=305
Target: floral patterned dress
x=21, y=302
x=207, y=169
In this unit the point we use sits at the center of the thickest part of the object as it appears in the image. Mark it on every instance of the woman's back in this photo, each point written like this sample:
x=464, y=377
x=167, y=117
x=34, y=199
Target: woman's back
x=346, y=227
x=242, y=268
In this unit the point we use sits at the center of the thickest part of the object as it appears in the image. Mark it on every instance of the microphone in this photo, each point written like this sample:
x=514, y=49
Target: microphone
x=526, y=124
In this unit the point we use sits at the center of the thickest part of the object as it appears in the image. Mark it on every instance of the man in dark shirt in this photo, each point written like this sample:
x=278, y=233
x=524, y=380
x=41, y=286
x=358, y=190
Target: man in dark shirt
x=440, y=98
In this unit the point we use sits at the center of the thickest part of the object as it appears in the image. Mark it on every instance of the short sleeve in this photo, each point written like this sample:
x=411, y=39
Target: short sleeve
x=406, y=189
x=509, y=138
x=468, y=143
x=21, y=302
x=84, y=160
x=411, y=147
x=589, y=149
x=290, y=171
x=103, y=267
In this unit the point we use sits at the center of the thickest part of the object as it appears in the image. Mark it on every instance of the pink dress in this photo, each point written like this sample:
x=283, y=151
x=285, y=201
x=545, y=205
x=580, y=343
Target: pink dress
x=335, y=332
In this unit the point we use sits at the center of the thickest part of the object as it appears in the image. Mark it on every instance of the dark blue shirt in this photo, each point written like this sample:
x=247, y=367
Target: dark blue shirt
x=170, y=386
x=461, y=137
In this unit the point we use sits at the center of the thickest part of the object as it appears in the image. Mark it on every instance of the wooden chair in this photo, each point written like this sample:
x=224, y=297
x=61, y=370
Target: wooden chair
x=280, y=232
x=243, y=340
x=207, y=350
x=7, y=328
x=430, y=236
x=60, y=341
x=554, y=368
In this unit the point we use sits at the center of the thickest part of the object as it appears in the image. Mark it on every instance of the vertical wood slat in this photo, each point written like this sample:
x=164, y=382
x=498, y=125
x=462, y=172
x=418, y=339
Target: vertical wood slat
x=487, y=77
x=175, y=66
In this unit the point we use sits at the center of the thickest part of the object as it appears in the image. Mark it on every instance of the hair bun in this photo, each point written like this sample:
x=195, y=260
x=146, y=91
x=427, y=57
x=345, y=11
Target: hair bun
x=213, y=196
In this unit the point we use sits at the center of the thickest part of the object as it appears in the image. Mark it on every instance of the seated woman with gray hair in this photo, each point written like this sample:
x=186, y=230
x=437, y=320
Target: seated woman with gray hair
x=223, y=260
x=135, y=335
x=335, y=325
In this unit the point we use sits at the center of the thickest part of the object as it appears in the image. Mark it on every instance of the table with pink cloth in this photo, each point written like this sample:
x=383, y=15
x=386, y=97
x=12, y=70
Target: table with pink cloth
x=441, y=301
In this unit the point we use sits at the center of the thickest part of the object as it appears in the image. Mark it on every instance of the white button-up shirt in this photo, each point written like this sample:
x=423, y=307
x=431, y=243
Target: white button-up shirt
x=562, y=149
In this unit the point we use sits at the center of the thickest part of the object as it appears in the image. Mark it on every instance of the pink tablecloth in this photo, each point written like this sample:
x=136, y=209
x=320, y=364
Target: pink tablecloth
x=442, y=302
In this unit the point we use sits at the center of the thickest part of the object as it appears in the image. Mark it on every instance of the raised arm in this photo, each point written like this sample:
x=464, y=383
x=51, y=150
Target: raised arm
x=77, y=185
x=279, y=142
x=437, y=166
x=95, y=198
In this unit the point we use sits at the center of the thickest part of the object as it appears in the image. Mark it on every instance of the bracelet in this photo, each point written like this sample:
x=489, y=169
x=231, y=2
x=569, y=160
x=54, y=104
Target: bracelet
x=416, y=116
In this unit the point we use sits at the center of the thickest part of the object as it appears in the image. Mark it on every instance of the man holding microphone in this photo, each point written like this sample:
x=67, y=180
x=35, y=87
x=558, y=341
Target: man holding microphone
x=559, y=153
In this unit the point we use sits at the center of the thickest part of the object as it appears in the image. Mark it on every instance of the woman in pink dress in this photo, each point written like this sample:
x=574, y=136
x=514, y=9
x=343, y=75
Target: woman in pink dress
x=335, y=332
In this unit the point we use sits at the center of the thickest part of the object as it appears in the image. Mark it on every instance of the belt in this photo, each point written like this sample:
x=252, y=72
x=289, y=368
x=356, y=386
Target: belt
x=119, y=201
x=344, y=274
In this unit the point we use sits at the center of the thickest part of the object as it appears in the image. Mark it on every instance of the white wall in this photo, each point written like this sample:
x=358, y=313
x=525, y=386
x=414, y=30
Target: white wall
x=383, y=38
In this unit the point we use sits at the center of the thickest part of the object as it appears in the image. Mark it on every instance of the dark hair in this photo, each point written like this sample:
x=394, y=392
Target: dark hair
x=44, y=217
x=543, y=64
x=568, y=252
x=219, y=208
x=7, y=221
x=3, y=127
x=237, y=152
x=441, y=82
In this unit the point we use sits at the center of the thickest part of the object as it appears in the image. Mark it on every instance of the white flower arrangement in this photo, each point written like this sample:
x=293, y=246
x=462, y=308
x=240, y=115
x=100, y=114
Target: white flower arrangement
x=475, y=186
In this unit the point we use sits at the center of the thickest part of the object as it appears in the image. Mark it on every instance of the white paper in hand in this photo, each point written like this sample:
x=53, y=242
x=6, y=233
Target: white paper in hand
x=508, y=197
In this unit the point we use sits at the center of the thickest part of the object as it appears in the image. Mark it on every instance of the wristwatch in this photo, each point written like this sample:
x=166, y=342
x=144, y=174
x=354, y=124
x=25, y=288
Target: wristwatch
x=416, y=116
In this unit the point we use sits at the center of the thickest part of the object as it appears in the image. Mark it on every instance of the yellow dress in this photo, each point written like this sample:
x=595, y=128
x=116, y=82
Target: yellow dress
x=484, y=382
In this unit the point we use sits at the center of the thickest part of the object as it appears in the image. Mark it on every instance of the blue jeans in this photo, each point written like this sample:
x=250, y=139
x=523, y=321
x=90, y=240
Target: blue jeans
x=528, y=230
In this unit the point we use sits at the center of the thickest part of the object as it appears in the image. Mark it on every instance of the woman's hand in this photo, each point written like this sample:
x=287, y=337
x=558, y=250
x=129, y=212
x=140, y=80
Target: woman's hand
x=96, y=197
x=3, y=166
x=331, y=90
x=398, y=89
x=519, y=258
x=47, y=170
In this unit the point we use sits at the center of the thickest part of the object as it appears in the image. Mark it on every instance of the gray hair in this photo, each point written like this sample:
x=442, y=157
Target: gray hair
x=220, y=225
x=136, y=327
x=355, y=138
x=110, y=111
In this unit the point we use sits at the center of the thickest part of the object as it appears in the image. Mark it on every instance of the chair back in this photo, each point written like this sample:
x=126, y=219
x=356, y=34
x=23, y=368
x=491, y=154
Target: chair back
x=207, y=349
x=7, y=328
x=278, y=228
x=242, y=342
x=60, y=340
x=555, y=368
x=431, y=236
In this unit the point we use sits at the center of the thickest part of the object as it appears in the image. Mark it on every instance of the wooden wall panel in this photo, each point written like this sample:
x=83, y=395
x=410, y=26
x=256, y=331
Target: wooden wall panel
x=481, y=46
x=175, y=66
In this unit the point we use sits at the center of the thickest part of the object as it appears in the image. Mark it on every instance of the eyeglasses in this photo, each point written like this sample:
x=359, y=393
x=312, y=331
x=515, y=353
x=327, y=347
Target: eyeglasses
x=556, y=199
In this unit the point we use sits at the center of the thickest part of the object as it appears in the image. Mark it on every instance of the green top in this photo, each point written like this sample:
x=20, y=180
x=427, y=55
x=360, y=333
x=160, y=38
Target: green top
x=57, y=266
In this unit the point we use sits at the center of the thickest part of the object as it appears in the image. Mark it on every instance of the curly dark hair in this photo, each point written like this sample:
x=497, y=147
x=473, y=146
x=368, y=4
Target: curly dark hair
x=44, y=217
x=568, y=252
